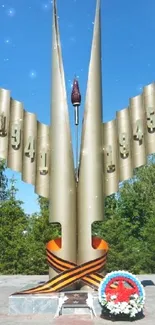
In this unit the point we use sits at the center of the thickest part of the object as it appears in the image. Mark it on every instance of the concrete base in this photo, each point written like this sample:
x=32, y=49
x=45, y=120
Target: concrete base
x=33, y=304
x=48, y=304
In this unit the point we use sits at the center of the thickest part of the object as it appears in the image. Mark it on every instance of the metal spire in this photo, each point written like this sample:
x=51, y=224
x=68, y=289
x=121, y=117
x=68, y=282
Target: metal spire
x=62, y=180
x=90, y=186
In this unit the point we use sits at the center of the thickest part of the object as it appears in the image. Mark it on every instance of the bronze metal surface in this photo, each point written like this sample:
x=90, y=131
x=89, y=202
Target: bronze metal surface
x=43, y=160
x=110, y=155
x=76, y=299
x=29, y=148
x=124, y=144
x=15, y=145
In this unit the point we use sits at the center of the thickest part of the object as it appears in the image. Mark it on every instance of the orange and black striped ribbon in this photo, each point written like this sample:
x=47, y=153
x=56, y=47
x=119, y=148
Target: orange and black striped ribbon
x=69, y=272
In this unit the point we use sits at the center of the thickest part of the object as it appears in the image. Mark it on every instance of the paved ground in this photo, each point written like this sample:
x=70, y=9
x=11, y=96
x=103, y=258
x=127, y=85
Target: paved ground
x=11, y=284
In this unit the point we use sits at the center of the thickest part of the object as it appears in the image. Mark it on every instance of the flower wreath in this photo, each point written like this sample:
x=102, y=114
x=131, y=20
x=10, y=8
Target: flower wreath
x=120, y=292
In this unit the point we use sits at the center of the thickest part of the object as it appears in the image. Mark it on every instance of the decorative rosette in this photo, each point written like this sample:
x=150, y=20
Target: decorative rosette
x=120, y=292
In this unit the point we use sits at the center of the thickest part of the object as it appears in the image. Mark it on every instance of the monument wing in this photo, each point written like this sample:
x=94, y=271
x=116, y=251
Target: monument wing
x=24, y=143
x=129, y=139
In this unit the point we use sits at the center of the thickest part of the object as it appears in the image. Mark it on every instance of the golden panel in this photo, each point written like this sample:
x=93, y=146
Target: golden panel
x=4, y=122
x=110, y=158
x=20, y=146
x=43, y=167
x=138, y=131
x=15, y=146
x=124, y=144
x=29, y=148
x=149, y=105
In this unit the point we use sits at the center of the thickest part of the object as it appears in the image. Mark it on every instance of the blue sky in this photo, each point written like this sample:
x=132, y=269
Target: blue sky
x=128, y=55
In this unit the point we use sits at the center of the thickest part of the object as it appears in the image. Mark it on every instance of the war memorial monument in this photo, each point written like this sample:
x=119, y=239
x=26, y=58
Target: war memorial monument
x=43, y=154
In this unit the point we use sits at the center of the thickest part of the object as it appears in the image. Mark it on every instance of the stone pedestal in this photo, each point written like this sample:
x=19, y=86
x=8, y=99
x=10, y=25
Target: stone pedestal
x=50, y=303
x=33, y=304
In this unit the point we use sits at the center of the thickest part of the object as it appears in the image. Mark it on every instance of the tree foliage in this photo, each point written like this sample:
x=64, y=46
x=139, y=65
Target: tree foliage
x=13, y=224
x=129, y=224
x=39, y=232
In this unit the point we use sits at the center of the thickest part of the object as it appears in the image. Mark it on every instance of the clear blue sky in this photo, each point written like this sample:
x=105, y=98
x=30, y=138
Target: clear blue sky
x=128, y=55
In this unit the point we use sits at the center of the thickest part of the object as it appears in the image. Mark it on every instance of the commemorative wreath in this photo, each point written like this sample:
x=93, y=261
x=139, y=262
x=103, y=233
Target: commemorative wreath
x=121, y=294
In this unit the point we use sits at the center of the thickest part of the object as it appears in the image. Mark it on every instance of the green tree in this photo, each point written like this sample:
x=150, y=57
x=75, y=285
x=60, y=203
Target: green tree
x=40, y=231
x=129, y=218
x=148, y=234
x=13, y=225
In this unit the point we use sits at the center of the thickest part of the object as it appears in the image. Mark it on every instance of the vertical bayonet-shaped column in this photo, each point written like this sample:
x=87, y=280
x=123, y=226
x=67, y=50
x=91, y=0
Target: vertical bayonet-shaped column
x=62, y=179
x=90, y=186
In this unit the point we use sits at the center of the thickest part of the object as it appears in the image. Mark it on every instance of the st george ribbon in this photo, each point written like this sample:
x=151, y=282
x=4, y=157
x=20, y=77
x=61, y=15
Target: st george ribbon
x=108, y=155
x=70, y=273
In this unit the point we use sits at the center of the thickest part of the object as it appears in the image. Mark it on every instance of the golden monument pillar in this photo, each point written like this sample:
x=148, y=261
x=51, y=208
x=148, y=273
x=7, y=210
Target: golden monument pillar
x=62, y=178
x=43, y=155
x=90, y=187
